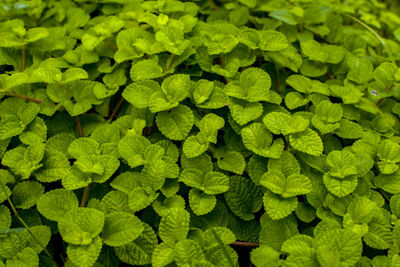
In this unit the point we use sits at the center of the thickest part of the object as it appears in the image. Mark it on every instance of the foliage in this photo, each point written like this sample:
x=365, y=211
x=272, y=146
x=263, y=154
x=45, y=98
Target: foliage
x=171, y=132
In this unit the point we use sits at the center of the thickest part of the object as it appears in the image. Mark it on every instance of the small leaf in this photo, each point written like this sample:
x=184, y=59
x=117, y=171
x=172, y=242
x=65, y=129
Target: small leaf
x=85, y=255
x=81, y=226
x=232, y=161
x=308, y=142
x=56, y=203
x=177, y=123
x=174, y=225
x=200, y=202
x=121, y=228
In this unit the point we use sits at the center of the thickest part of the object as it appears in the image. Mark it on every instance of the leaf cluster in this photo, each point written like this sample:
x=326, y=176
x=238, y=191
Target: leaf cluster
x=168, y=133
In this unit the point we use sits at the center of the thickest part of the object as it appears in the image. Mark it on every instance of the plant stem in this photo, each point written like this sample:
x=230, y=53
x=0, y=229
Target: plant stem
x=151, y=130
x=278, y=80
x=112, y=46
x=222, y=247
x=116, y=108
x=22, y=221
x=23, y=58
x=39, y=101
x=380, y=39
x=87, y=188
x=214, y=5
x=245, y=244
x=78, y=124
x=85, y=196
x=170, y=61
x=222, y=60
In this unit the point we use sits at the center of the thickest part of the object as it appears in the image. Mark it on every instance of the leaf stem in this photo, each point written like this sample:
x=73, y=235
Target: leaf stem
x=170, y=61
x=222, y=247
x=278, y=80
x=222, y=60
x=380, y=39
x=150, y=130
x=78, y=124
x=245, y=244
x=23, y=56
x=85, y=196
x=23, y=222
x=116, y=108
x=214, y=5
x=112, y=46
x=28, y=98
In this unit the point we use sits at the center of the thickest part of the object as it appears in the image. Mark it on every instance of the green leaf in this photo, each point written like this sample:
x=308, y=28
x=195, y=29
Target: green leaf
x=145, y=70
x=243, y=112
x=85, y=255
x=388, y=182
x=36, y=132
x=360, y=70
x=187, y=251
x=121, y=228
x=253, y=85
x=294, y=100
x=174, y=225
x=308, y=142
x=258, y=139
x=140, y=198
x=138, y=93
x=56, y=203
x=24, y=161
x=329, y=112
x=171, y=37
x=314, y=50
x=81, y=226
x=287, y=187
x=176, y=87
x=134, y=42
x=55, y=167
x=339, y=246
x=26, y=257
x=275, y=232
x=132, y=147
x=16, y=114
x=349, y=130
x=162, y=205
x=5, y=218
x=282, y=123
x=277, y=207
x=395, y=205
x=139, y=251
x=271, y=40
x=202, y=90
x=340, y=187
x=177, y=123
x=163, y=255
x=76, y=96
x=83, y=147
x=115, y=201
x=211, y=183
x=265, y=256
x=287, y=164
x=26, y=194
x=200, y=202
x=209, y=126
x=243, y=197
x=342, y=163
x=231, y=161
x=195, y=145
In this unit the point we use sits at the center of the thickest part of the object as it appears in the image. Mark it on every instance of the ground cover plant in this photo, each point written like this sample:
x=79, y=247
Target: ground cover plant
x=199, y=133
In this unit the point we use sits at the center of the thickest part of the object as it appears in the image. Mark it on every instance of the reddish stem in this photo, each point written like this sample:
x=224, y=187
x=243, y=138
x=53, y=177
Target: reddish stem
x=116, y=108
x=245, y=244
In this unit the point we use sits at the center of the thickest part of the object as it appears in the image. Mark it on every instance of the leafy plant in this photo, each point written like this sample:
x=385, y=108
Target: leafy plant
x=172, y=133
